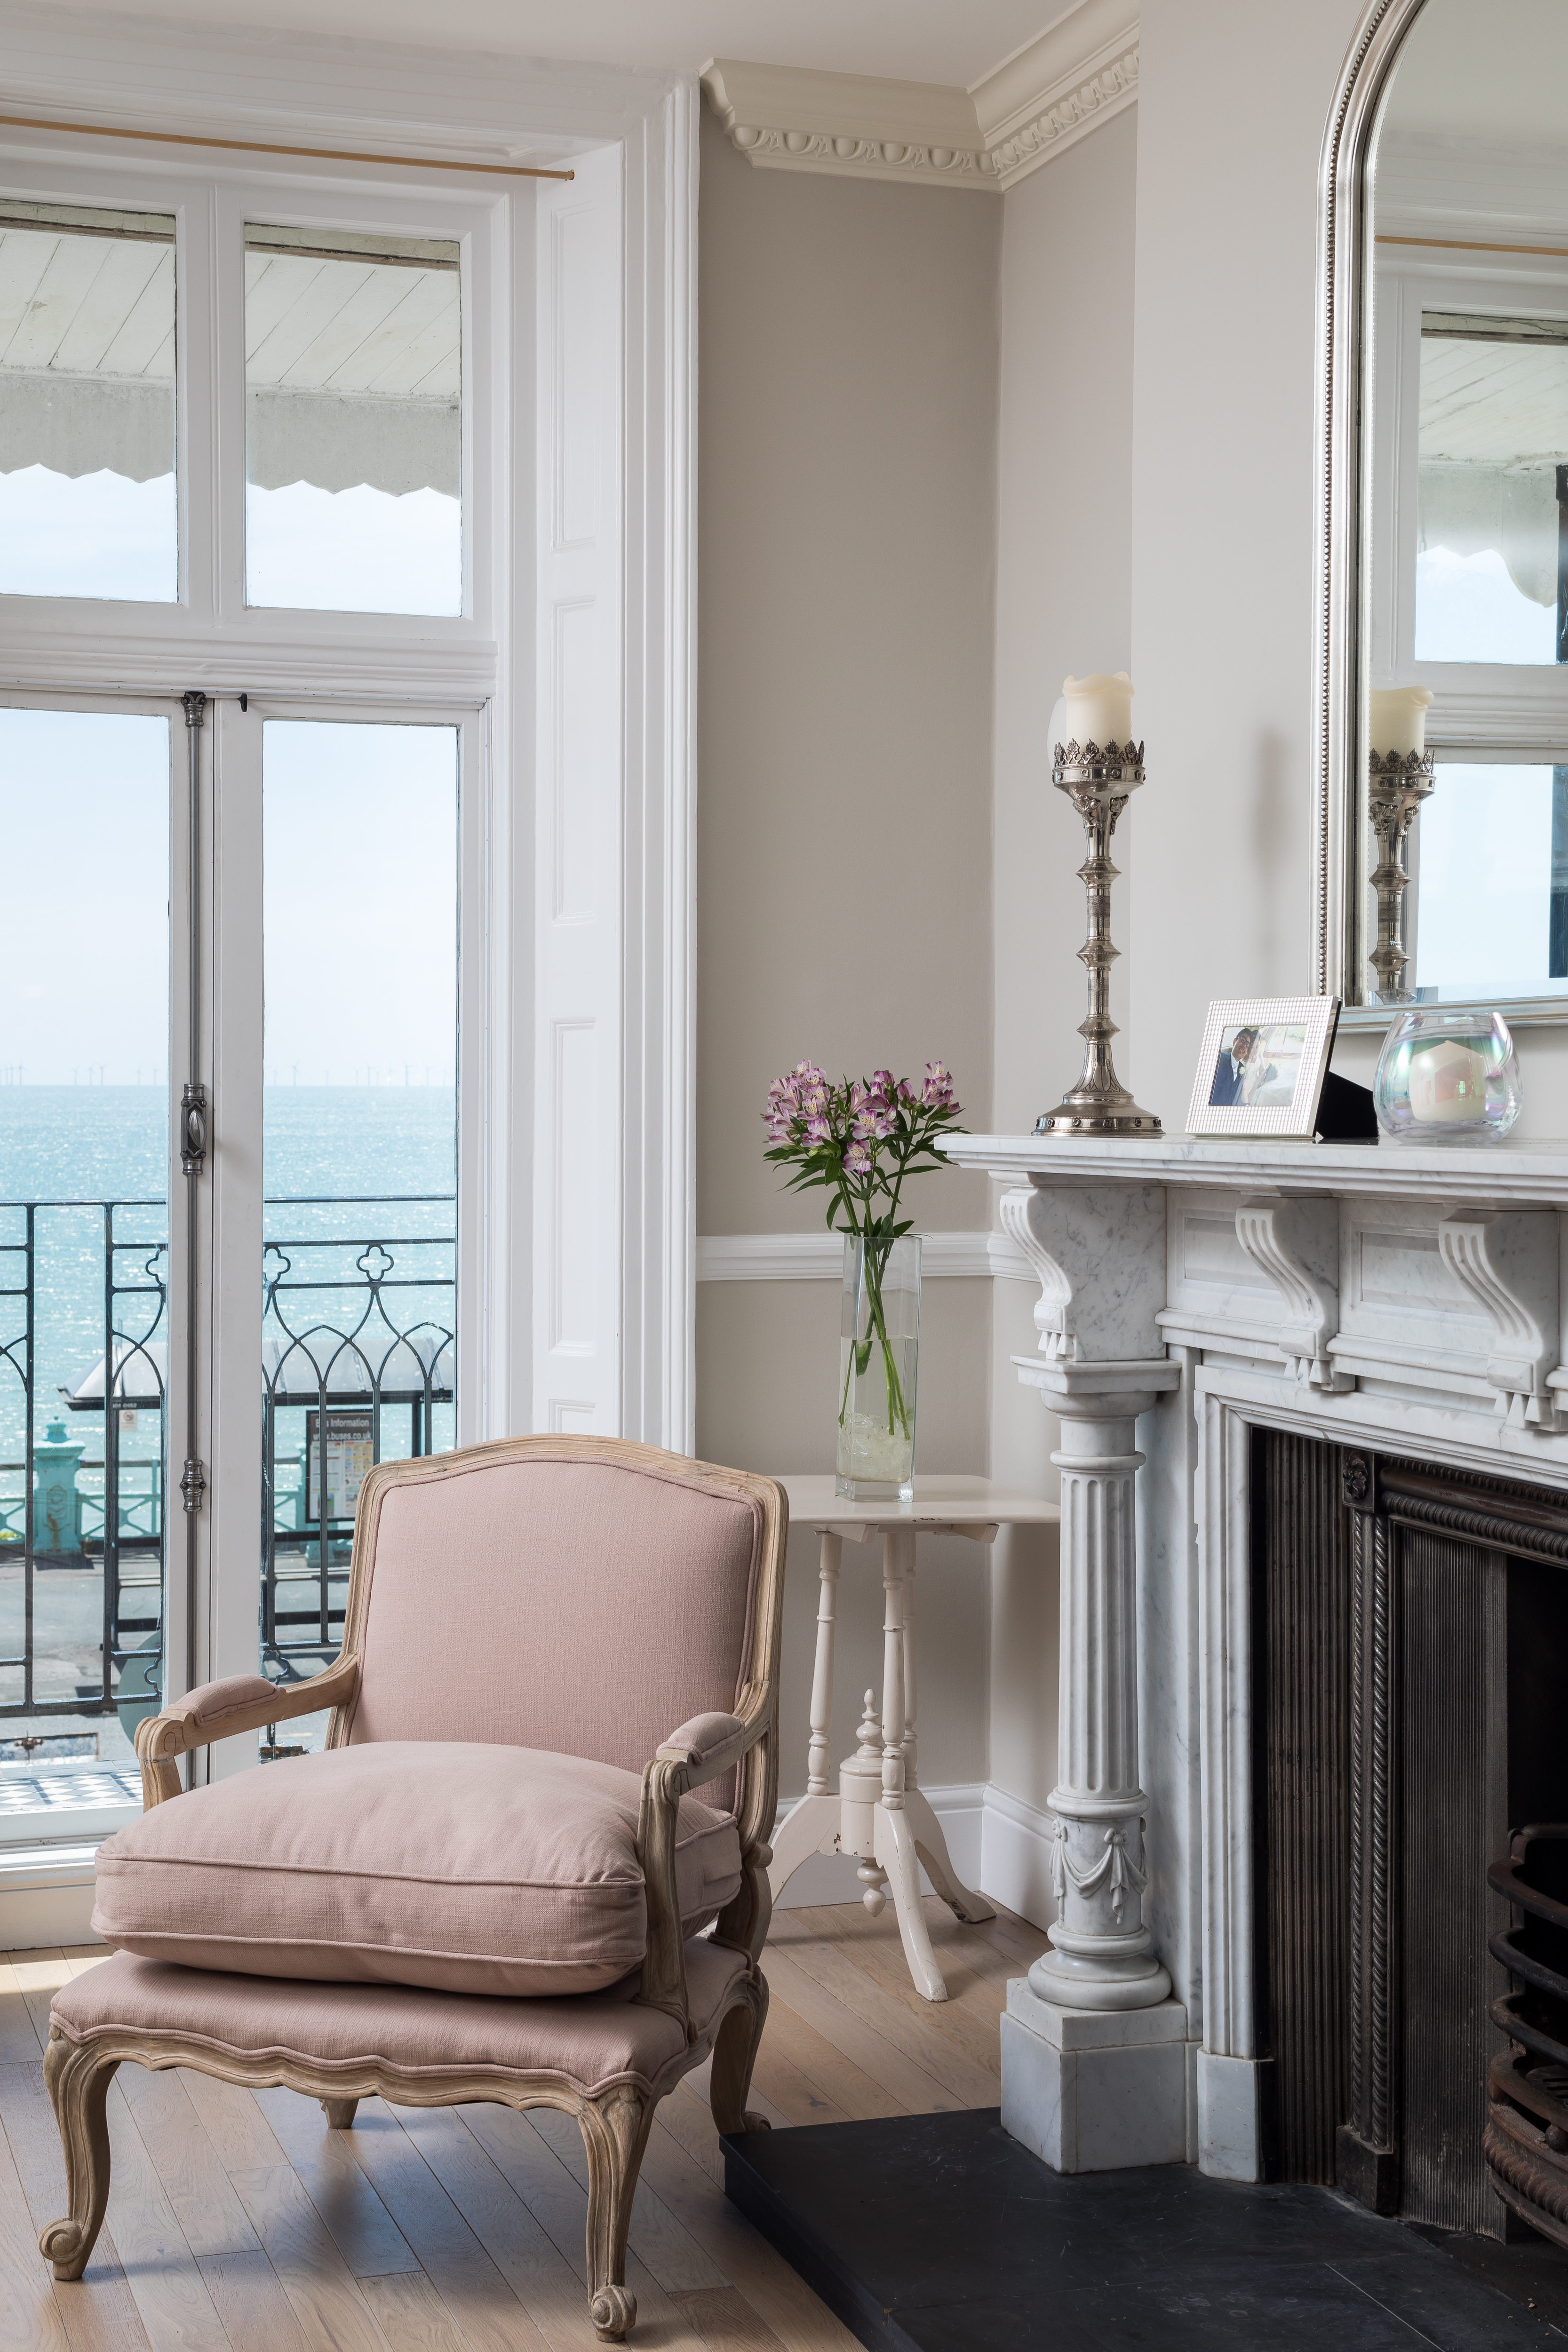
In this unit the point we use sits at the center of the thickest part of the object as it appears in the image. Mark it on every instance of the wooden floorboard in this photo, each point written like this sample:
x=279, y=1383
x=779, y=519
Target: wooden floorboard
x=240, y=2222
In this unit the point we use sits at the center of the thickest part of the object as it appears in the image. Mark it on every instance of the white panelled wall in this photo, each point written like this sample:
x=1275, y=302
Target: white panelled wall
x=577, y=878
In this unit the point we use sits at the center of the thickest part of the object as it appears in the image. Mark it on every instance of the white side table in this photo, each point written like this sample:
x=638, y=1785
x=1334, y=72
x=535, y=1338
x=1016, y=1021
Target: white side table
x=879, y=1813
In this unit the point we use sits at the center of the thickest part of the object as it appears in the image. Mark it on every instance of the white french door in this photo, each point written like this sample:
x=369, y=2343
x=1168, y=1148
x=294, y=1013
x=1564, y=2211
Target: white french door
x=347, y=1199
x=98, y=1558
x=228, y=1282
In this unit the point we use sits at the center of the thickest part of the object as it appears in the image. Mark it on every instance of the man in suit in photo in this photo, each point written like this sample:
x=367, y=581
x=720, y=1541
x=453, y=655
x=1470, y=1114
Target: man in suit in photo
x=1230, y=1072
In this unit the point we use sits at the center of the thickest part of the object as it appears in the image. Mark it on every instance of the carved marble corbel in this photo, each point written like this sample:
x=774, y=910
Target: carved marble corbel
x=1507, y=1261
x=1296, y=1244
x=1100, y=1253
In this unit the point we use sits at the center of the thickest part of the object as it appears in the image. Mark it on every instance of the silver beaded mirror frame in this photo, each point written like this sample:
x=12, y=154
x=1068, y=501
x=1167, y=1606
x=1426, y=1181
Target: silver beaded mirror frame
x=1343, y=940
x=1343, y=462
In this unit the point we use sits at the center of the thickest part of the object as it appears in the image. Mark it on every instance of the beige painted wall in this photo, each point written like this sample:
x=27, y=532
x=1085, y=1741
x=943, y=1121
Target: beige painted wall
x=1064, y=549
x=1221, y=513
x=848, y=493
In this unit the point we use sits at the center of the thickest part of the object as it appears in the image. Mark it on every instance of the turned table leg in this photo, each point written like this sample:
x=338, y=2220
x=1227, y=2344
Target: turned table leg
x=931, y=1842
x=819, y=1756
x=895, y=1838
x=812, y=1826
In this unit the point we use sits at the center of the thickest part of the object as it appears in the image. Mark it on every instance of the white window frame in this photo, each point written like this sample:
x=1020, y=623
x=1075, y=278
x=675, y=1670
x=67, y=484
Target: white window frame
x=633, y=137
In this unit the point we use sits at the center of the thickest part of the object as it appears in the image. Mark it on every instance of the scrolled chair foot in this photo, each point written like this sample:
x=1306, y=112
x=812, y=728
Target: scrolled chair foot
x=755, y=2122
x=77, y=2080
x=613, y=2311
x=67, y=2245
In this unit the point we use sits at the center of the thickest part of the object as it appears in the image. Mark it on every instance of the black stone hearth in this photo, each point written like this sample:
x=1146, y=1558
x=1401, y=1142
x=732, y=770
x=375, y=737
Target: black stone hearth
x=938, y=2234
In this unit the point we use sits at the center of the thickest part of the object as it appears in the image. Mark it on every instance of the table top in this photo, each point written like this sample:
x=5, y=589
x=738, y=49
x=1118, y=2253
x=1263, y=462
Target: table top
x=941, y=1500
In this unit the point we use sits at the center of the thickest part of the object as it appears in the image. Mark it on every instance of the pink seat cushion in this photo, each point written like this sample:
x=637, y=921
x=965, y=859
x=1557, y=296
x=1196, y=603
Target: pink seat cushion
x=466, y=1868
x=344, y=2030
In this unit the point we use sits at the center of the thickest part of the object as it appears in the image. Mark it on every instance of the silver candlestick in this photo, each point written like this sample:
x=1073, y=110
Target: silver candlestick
x=1396, y=785
x=1097, y=783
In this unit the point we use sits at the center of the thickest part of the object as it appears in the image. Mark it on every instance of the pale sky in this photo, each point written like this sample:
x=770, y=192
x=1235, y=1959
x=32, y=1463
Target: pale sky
x=360, y=834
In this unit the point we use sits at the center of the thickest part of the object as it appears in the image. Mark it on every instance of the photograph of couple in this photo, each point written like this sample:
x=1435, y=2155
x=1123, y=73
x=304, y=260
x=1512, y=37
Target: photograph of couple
x=1256, y=1065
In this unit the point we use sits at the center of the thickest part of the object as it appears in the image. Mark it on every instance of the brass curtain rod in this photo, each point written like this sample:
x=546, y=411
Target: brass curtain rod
x=262, y=147
x=1467, y=244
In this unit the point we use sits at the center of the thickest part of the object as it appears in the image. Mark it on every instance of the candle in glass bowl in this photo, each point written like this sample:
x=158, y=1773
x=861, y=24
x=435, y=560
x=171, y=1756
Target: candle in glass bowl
x=1447, y=1075
x=1447, y=1084
x=1398, y=721
x=1099, y=711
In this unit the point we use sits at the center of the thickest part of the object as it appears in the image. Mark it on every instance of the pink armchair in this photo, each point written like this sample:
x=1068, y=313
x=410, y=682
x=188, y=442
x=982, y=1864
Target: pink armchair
x=483, y=1889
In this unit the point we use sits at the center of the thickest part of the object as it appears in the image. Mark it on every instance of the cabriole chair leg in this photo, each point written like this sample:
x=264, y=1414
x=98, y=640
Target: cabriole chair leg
x=735, y=2051
x=339, y=2113
x=614, y=2133
x=78, y=2080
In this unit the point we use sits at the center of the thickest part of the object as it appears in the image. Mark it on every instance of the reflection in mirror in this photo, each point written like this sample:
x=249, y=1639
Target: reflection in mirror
x=1465, y=528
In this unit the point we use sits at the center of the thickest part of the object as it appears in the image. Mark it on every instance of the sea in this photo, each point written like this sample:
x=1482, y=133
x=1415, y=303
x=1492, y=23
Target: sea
x=338, y=1164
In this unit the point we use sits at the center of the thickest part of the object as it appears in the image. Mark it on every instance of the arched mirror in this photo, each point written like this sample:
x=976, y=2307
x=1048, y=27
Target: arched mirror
x=1443, y=451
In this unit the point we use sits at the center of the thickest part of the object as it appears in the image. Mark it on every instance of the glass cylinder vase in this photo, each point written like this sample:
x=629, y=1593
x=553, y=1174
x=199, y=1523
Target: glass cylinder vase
x=879, y=1361
x=1447, y=1077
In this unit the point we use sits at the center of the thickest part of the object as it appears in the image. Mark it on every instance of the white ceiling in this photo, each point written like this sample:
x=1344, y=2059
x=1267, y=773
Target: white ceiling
x=951, y=41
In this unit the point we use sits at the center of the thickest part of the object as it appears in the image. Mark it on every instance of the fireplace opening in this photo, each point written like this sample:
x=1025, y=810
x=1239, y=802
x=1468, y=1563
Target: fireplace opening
x=1410, y=1668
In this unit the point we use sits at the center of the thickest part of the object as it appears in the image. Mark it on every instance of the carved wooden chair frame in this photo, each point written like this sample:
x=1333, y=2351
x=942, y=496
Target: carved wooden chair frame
x=615, y=2123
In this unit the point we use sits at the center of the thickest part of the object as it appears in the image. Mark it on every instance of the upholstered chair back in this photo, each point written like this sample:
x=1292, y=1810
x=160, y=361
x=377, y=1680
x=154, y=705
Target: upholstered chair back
x=580, y=1595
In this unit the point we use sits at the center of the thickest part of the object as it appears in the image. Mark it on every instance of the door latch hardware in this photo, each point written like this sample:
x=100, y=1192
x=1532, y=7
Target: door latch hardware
x=194, y=1483
x=192, y=1129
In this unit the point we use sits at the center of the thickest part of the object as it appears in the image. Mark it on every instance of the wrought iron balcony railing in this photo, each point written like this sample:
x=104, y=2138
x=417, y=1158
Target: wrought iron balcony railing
x=358, y=1329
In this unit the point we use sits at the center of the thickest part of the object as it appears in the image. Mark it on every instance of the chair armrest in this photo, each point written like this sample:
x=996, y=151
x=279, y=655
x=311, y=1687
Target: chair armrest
x=709, y=1744
x=698, y=1752
x=218, y=1710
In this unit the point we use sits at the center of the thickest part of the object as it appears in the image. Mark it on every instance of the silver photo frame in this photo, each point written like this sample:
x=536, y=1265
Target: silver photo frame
x=1262, y=1064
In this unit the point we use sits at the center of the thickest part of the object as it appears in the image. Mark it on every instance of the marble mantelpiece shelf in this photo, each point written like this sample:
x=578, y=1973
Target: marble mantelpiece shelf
x=1498, y=1175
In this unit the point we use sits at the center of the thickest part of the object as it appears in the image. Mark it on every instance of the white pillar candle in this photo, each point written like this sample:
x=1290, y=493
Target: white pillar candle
x=1448, y=1082
x=1099, y=711
x=1399, y=721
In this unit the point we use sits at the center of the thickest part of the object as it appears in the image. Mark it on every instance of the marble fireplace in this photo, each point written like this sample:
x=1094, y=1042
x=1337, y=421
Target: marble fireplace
x=1313, y=1403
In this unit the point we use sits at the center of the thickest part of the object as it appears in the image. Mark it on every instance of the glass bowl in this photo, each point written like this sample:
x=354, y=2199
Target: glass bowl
x=1447, y=1077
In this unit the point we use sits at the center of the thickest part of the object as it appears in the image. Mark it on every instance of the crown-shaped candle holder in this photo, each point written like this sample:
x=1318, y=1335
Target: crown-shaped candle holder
x=1098, y=784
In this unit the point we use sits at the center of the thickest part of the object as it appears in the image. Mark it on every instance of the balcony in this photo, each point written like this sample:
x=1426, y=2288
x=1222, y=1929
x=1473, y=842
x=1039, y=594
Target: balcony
x=357, y=1364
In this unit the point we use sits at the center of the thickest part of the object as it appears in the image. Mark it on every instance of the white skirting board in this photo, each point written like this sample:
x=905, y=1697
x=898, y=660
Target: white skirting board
x=46, y=1896
x=1000, y=1846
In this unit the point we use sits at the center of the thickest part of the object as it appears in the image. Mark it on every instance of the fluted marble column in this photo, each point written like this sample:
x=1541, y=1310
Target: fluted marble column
x=1102, y=1955
x=1094, y=2063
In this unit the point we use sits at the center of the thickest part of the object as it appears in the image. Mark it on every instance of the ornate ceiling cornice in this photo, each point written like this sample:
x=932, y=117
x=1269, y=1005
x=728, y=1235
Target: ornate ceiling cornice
x=1076, y=75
